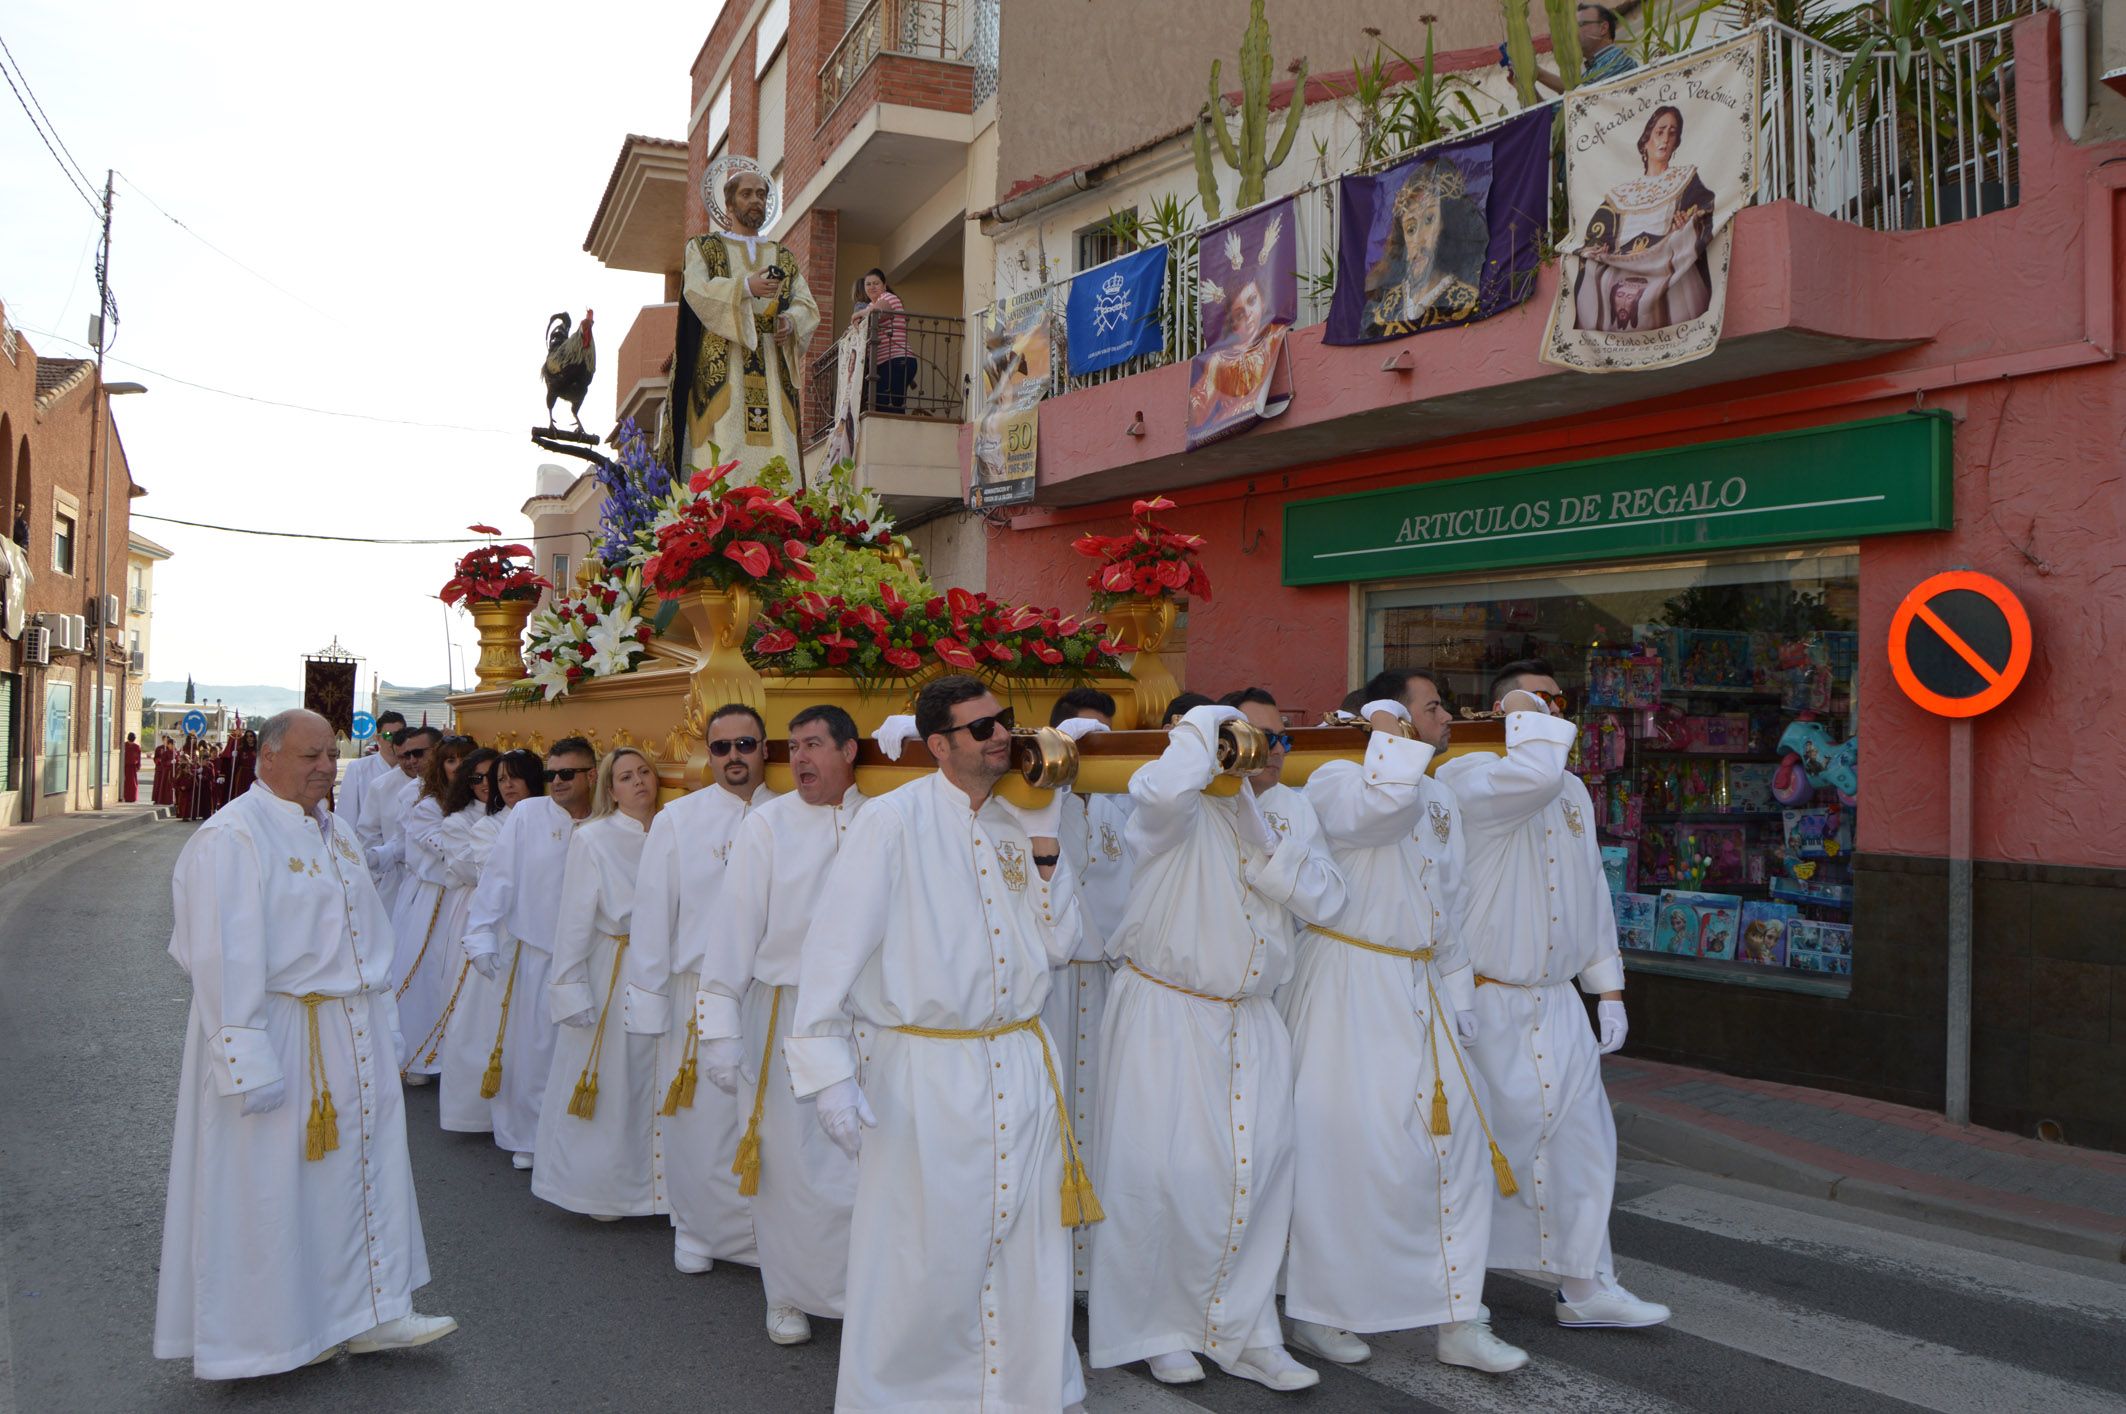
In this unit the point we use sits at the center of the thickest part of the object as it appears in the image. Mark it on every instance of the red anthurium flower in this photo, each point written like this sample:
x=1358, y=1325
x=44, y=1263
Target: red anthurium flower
x=895, y=604
x=1116, y=577
x=1154, y=505
x=1173, y=574
x=1115, y=648
x=775, y=640
x=906, y=659
x=1046, y=652
x=955, y=653
x=750, y=555
x=837, y=639
x=483, y=530
x=961, y=601
x=1003, y=652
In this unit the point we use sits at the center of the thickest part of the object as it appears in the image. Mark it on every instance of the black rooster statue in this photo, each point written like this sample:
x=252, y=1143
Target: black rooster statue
x=571, y=360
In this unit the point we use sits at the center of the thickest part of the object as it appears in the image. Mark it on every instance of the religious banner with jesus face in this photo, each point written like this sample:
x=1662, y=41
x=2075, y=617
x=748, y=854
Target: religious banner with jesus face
x=1654, y=170
x=1247, y=280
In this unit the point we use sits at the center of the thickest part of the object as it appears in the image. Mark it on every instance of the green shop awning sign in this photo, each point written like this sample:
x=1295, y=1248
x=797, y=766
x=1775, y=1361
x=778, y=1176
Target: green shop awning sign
x=1878, y=477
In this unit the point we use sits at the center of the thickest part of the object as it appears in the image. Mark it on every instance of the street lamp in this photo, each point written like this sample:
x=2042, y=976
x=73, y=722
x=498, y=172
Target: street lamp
x=103, y=586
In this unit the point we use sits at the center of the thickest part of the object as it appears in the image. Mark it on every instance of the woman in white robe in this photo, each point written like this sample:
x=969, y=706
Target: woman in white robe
x=595, y=1154
x=422, y=969
x=467, y=1028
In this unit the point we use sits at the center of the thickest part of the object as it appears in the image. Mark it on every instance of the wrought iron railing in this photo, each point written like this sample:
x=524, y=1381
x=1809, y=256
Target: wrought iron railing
x=931, y=385
x=960, y=31
x=1887, y=152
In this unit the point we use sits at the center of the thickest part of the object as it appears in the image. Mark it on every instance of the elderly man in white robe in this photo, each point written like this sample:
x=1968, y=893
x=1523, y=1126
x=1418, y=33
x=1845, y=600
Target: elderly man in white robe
x=948, y=909
x=801, y=1184
x=681, y=904
x=1391, y=1211
x=367, y=769
x=1093, y=828
x=510, y=935
x=1194, y=1145
x=1539, y=917
x=291, y=1226
x=594, y=1152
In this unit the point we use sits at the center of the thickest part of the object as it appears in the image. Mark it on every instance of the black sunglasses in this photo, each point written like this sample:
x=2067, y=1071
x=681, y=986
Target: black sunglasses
x=743, y=745
x=569, y=773
x=1279, y=741
x=412, y=753
x=982, y=728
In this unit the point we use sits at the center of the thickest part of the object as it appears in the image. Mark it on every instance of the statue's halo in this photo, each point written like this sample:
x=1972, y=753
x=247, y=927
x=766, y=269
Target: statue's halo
x=721, y=171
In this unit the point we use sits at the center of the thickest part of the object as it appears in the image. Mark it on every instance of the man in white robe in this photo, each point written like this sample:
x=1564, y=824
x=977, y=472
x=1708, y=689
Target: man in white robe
x=946, y=914
x=384, y=806
x=1391, y=1213
x=681, y=904
x=1194, y=1144
x=1539, y=916
x=291, y=1228
x=802, y=1185
x=367, y=769
x=510, y=934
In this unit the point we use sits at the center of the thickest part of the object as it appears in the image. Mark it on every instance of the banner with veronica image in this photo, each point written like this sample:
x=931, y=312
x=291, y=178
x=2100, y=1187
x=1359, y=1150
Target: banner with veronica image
x=1017, y=360
x=1447, y=238
x=1112, y=313
x=1247, y=281
x=1655, y=171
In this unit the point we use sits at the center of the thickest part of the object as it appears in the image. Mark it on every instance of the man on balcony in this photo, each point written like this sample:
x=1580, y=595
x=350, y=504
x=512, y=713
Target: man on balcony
x=746, y=317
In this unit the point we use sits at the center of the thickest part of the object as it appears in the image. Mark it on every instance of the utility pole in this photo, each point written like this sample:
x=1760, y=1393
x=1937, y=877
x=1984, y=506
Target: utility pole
x=103, y=492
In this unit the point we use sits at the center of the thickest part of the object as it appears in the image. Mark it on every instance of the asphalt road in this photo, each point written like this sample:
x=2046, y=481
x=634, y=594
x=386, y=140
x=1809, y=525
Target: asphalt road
x=1782, y=1303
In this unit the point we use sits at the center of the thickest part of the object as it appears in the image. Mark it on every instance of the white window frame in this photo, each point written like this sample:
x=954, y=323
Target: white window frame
x=769, y=34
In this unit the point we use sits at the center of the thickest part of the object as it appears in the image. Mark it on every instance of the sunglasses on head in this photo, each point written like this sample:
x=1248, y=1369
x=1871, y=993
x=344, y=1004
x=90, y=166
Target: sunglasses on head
x=983, y=728
x=568, y=773
x=743, y=745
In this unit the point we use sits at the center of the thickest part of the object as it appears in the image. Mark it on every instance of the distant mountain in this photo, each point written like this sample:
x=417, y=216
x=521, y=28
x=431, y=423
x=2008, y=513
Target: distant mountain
x=251, y=699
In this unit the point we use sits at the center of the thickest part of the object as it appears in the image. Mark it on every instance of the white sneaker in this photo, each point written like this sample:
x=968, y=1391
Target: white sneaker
x=1613, y=1306
x=1471, y=1345
x=788, y=1326
x=692, y=1263
x=1337, y=1346
x=1273, y=1367
x=522, y=1159
x=402, y=1334
x=1176, y=1367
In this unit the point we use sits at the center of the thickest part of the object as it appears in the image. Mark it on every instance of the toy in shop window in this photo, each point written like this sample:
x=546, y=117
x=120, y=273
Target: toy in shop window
x=1700, y=924
x=1825, y=833
x=1812, y=946
x=1811, y=759
x=1717, y=659
x=1635, y=922
x=1803, y=680
x=1764, y=932
x=1623, y=676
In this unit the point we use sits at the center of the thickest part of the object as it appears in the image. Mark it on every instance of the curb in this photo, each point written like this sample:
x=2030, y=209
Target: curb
x=1643, y=1134
x=50, y=851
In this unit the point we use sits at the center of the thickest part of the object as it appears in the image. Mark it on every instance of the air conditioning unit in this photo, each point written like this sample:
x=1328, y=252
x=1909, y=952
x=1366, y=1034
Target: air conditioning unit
x=37, y=645
x=138, y=663
x=105, y=612
x=56, y=633
x=78, y=626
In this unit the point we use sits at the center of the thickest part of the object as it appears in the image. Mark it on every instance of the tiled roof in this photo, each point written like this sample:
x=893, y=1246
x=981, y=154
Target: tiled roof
x=56, y=375
x=612, y=183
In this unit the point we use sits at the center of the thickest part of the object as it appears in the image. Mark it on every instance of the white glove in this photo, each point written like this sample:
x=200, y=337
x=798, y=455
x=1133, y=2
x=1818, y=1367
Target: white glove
x=1253, y=827
x=1465, y=1027
x=1384, y=704
x=722, y=1059
x=1529, y=702
x=487, y=964
x=582, y=1018
x=1041, y=822
x=265, y=1099
x=1614, y=1029
x=1079, y=728
x=845, y=1114
x=894, y=733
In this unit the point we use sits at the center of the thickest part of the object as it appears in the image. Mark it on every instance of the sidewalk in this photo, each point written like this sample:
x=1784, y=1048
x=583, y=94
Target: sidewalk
x=1873, y=1155
x=22, y=845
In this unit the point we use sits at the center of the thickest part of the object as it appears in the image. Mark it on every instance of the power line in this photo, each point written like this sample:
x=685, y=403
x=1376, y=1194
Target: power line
x=263, y=280
x=358, y=539
x=87, y=180
x=64, y=171
x=276, y=402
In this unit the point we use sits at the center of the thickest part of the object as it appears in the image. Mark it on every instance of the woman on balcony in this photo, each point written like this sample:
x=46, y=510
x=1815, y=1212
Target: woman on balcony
x=894, y=366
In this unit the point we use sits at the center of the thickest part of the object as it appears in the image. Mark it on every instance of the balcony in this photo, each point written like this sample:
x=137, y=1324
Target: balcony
x=906, y=423
x=958, y=31
x=1841, y=258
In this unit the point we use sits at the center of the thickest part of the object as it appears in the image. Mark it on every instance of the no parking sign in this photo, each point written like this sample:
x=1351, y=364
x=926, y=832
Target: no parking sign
x=1960, y=643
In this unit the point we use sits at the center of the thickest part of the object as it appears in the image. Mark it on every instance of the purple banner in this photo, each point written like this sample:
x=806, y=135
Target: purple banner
x=1444, y=239
x=1248, y=281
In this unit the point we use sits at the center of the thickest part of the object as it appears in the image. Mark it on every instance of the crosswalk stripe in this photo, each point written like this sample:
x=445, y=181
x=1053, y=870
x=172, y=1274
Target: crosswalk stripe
x=1903, y=1367
x=1404, y=1360
x=1890, y=1254
x=1120, y=1391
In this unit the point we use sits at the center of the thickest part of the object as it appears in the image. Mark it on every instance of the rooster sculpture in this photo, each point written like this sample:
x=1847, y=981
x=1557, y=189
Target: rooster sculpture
x=571, y=360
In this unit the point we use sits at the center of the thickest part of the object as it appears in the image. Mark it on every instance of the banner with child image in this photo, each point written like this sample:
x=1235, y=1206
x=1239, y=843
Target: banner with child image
x=1447, y=238
x=1655, y=171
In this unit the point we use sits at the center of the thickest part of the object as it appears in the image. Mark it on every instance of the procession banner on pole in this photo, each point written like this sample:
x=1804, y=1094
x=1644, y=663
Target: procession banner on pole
x=1247, y=273
x=1112, y=314
x=1655, y=171
x=328, y=690
x=1447, y=238
x=1016, y=364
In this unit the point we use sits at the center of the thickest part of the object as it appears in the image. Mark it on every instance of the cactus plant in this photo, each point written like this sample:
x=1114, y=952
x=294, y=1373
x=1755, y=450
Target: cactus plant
x=1246, y=154
x=1564, y=17
x=1520, y=49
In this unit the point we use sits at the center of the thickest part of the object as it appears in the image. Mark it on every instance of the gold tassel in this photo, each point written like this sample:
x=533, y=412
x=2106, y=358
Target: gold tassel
x=747, y=1164
x=314, y=1138
x=491, y=1081
x=1503, y=1171
x=583, y=1103
x=1080, y=1204
x=686, y=1096
x=675, y=1093
x=1439, y=1104
x=330, y=1122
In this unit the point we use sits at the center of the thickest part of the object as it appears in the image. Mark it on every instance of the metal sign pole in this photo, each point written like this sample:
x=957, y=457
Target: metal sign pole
x=1959, y=1054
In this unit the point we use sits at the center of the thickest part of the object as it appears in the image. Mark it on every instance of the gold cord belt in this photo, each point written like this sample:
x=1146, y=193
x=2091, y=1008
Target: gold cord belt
x=1412, y=954
x=491, y=1082
x=322, y=1135
x=407, y=981
x=1177, y=987
x=747, y=1163
x=1483, y=981
x=680, y=1094
x=1080, y=1204
x=434, y=1039
x=583, y=1101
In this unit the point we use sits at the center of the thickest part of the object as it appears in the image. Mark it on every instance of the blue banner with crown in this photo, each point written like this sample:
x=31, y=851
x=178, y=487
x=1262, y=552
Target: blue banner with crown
x=1112, y=315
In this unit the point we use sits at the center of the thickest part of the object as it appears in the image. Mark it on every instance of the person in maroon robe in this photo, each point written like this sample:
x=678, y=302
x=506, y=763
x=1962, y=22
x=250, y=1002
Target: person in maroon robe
x=245, y=769
x=182, y=770
x=164, y=789
x=129, y=777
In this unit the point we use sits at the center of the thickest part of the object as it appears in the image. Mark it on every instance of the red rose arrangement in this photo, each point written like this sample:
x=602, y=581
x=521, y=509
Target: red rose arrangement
x=493, y=572
x=1154, y=560
x=728, y=535
x=965, y=631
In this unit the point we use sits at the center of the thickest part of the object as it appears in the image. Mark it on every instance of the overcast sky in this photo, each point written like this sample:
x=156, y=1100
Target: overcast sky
x=421, y=174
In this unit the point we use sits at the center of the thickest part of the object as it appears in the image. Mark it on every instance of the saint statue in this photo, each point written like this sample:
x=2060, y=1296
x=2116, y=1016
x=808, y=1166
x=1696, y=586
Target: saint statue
x=743, y=324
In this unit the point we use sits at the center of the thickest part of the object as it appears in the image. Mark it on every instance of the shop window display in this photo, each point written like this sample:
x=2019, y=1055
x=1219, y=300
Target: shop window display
x=1718, y=738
